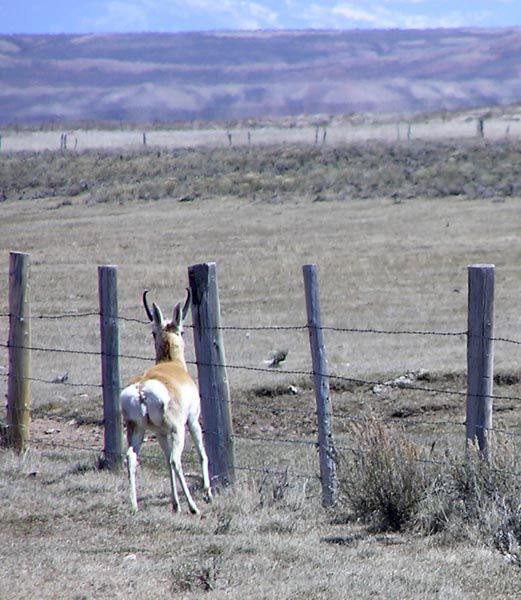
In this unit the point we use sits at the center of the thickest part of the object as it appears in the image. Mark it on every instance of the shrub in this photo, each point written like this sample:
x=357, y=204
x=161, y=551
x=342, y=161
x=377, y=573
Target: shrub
x=392, y=484
x=386, y=479
x=476, y=499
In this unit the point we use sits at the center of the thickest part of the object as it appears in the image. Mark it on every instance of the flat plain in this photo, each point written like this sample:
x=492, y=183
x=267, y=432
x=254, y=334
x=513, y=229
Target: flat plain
x=392, y=228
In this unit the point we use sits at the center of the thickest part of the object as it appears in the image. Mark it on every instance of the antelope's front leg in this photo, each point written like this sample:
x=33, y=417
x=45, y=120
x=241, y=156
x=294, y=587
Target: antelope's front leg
x=197, y=436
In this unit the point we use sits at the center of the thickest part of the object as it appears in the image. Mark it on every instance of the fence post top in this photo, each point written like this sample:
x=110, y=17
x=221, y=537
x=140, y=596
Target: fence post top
x=204, y=265
x=481, y=266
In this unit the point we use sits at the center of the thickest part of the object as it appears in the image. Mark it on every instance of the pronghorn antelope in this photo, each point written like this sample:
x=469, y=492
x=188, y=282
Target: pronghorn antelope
x=164, y=399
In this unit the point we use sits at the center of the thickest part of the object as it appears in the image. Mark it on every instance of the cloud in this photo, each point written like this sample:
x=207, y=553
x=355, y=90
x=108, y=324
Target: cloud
x=234, y=14
x=163, y=15
x=377, y=17
x=120, y=15
x=179, y=15
x=403, y=14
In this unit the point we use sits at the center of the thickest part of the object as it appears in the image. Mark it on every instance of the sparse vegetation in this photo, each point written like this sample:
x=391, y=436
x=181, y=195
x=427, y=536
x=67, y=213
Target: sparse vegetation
x=401, y=171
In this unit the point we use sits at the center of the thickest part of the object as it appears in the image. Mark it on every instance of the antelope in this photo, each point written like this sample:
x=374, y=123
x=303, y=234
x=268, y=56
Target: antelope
x=164, y=399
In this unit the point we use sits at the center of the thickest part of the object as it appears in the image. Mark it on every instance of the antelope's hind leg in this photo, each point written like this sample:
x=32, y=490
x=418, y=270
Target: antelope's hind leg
x=135, y=438
x=172, y=446
x=135, y=419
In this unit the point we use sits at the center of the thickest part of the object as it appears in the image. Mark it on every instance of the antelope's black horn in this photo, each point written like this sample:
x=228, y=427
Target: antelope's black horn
x=187, y=303
x=147, y=307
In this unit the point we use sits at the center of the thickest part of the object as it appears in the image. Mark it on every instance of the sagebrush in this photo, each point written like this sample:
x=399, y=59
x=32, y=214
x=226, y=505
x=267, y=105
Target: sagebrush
x=391, y=483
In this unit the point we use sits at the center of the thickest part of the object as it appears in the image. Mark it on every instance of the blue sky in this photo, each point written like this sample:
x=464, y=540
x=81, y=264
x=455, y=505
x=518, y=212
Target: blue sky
x=68, y=16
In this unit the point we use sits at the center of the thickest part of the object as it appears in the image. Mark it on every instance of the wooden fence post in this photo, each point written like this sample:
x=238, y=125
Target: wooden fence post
x=481, y=127
x=212, y=375
x=480, y=355
x=19, y=342
x=109, y=329
x=326, y=447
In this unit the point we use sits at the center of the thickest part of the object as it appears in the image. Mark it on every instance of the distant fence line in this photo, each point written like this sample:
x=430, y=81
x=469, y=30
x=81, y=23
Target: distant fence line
x=331, y=133
x=478, y=395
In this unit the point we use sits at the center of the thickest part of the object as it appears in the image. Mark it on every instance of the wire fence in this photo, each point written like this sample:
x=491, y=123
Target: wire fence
x=404, y=385
x=298, y=445
x=254, y=368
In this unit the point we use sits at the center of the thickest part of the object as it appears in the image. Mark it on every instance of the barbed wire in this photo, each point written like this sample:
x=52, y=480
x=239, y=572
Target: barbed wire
x=300, y=327
x=409, y=386
x=97, y=353
x=304, y=442
x=64, y=383
x=151, y=458
x=65, y=315
x=269, y=469
x=393, y=331
x=276, y=440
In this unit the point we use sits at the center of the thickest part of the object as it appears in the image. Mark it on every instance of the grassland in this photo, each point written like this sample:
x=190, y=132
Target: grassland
x=392, y=229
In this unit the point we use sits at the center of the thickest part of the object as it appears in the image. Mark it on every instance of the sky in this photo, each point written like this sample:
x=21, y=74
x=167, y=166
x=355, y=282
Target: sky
x=119, y=16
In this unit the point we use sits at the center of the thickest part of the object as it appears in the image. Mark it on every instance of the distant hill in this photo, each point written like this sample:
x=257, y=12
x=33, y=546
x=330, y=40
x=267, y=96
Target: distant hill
x=236, y=75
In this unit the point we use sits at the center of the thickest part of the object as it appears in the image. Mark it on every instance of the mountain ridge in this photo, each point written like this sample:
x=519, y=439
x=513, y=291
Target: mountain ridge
x=234, y=75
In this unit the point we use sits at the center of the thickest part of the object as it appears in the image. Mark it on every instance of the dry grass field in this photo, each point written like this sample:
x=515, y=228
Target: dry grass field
x=392, y=228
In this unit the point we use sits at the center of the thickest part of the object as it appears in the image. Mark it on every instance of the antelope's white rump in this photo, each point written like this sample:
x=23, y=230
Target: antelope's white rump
x=145, y=404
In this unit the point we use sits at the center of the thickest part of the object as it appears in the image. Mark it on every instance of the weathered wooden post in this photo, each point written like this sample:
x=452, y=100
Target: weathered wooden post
x=326, y=447
x=212, y=375
x=109, y=329
x=480, y=355
x=19, y=342
x=481, y=127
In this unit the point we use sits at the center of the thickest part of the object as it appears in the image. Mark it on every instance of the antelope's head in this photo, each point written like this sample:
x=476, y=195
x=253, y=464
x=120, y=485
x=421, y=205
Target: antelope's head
x=168, y=335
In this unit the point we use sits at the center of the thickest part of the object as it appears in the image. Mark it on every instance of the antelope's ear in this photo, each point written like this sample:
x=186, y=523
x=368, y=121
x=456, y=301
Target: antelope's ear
x=187, y=303
x=157, y=314
x=177, y=320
